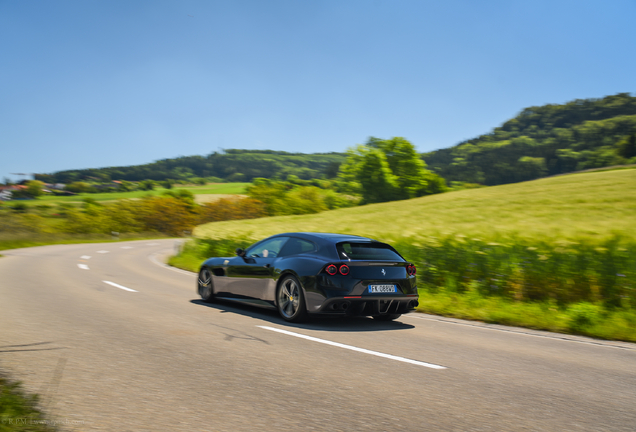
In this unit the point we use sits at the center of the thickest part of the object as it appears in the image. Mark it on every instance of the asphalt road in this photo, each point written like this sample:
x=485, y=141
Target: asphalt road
x=157, y=359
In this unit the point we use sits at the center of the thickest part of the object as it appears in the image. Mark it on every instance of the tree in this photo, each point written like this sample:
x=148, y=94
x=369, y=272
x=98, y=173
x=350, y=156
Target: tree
x=531, y=168
x=147, y=185
x=387, y=170
x=627, y=147
x=376, y=179
x=406, y=165
x=35, y=188
x=126, y=186
x=78, y=187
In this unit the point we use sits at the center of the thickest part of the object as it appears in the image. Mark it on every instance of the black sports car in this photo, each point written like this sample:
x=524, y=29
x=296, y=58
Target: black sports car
x=314, y=273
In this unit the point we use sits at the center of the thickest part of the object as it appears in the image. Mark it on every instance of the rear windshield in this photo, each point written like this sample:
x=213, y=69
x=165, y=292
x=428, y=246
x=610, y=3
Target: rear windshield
x=367, y=251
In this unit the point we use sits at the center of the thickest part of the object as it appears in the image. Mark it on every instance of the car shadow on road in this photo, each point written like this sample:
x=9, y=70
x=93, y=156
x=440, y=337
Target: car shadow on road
x=322, y=323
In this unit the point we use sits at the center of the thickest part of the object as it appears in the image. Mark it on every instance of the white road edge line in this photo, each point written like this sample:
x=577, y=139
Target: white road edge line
x=153, y=258
x=526, y=332
x=83, y=266
x=352, y=348
x=119, y=286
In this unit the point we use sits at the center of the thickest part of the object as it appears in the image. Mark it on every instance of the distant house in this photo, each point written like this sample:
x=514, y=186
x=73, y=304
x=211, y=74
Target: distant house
x=56, y=186
x=6, y=192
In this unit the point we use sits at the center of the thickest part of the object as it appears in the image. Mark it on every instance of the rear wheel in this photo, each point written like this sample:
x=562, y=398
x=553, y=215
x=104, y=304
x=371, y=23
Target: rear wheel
x=387, y=317
x=204, y=285
x=290, y=300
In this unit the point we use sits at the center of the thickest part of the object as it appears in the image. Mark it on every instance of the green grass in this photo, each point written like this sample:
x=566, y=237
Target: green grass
x=593, y=205
x=580, y=318
x=213, y=188
x=24, y=240
x=19, y=411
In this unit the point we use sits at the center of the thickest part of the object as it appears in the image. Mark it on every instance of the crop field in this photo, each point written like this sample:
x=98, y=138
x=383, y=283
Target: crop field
x=593, y=205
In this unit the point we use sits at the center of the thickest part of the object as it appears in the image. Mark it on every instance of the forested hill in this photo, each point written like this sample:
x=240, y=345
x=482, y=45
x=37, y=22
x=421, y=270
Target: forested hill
x=540, y=141
x=545, y=140
x=232, y=165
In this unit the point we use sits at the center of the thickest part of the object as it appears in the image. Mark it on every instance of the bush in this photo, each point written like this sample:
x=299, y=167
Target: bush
x=296, y=196
x=172, y=216
x=77, y=187
x=231, y=209
x=582, y=316
x=19, y=207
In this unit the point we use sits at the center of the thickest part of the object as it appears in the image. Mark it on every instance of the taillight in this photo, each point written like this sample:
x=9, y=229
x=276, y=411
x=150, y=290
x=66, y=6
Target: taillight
x=334, y=269
x=411, y=270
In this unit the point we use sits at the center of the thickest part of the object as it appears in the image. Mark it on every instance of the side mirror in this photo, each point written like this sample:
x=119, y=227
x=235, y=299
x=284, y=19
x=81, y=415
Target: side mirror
x=240, y=252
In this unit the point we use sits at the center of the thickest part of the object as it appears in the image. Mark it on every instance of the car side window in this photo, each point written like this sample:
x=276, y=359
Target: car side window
x=297, y=246
x=267, y=249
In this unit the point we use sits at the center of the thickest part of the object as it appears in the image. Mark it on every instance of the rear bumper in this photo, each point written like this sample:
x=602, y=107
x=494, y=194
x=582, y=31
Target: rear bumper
x=368, y=305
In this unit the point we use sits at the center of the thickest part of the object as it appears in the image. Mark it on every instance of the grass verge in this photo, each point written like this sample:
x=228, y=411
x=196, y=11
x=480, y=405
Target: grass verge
x=583, y=318
x=19, y=411
x=17, y=241
x=195, y=251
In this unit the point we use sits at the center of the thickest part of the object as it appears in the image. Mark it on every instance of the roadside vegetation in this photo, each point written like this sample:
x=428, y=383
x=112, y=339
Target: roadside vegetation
x=19, y=410
x=557, y=254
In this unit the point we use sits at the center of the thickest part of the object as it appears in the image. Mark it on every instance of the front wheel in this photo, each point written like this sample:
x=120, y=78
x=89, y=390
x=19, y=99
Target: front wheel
x=204, y=285
x=290, y=300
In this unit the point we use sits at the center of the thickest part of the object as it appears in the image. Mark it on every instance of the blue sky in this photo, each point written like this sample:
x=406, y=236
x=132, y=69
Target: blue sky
x=87, y=84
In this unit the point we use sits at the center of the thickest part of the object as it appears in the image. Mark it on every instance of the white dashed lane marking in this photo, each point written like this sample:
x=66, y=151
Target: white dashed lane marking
x=126, y=247
x=102, y=251
x=85, y=257
x=119, y=286
x=83, y=266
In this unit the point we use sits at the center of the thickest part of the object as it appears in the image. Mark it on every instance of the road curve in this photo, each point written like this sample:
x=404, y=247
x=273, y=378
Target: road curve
x=114, y=340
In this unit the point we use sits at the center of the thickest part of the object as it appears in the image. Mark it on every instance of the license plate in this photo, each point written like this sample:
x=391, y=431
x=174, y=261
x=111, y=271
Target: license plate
x=382, y=289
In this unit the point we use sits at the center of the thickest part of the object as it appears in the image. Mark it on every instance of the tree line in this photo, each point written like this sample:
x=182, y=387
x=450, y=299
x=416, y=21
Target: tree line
x=545, y=140
x=228, y=165
x=378, y=171
x=540, y=141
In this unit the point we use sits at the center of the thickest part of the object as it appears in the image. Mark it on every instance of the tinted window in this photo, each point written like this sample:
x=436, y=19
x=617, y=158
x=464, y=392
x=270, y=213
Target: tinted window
x=267, y=248
x=367, y=251
x=297, y=246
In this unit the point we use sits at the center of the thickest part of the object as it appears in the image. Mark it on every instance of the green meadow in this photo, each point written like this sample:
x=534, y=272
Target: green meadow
x=208, y=189
x=557, y=253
